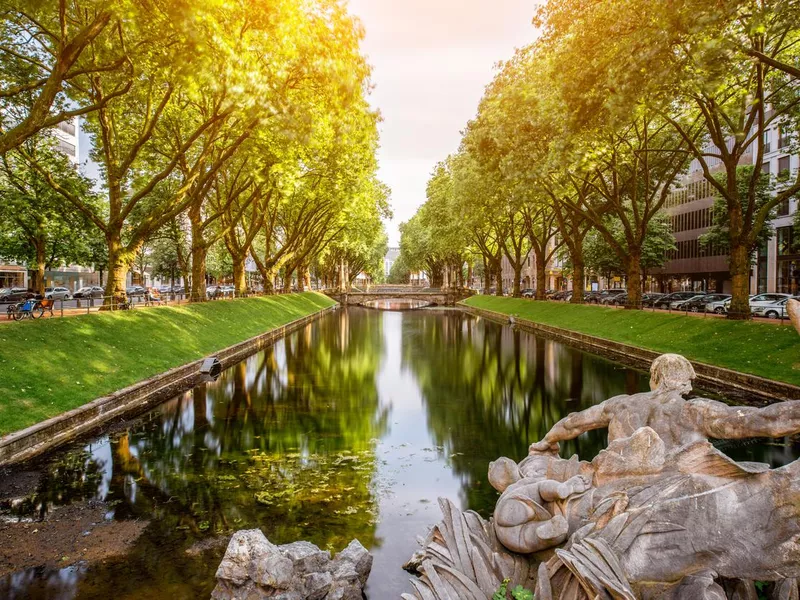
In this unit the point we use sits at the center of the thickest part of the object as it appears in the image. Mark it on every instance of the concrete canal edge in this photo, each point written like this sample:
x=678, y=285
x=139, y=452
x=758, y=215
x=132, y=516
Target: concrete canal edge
x=30, y=442
x=749, y=388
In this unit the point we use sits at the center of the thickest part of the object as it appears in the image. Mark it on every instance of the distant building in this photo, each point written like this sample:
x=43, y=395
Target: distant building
x=66, y=134
x=391, y=257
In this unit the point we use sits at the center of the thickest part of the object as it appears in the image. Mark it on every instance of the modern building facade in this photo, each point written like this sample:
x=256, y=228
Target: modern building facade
x=391, y=257
x=690, y=208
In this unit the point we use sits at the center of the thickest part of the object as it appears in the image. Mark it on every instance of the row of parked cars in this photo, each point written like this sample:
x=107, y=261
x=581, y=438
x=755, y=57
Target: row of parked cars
x=769, y=305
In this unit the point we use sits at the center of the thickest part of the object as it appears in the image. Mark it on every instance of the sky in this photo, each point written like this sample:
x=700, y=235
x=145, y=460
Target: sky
x=431, y=60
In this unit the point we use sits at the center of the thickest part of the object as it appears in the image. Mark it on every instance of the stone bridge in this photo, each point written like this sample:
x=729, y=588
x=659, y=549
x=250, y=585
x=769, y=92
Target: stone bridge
x=432, y=297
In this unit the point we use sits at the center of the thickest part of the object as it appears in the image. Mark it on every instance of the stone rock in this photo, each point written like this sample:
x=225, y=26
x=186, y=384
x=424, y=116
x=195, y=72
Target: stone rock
x=255, y=569
x=317, y=585
x=359, y=557
x=306, y=557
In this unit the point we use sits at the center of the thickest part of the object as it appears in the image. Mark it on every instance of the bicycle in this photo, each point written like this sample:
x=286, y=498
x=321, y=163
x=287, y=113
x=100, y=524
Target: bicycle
x=30, y=309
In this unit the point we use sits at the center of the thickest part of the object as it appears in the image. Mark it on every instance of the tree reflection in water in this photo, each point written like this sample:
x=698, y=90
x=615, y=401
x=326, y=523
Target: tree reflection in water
x=490, y=391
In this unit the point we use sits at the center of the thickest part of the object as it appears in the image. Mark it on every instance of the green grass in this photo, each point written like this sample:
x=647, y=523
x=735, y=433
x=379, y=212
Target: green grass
x=50, y=366
x=763, y=349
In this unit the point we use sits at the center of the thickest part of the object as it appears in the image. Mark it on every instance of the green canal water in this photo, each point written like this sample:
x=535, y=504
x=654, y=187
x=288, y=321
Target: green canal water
x=349, y=428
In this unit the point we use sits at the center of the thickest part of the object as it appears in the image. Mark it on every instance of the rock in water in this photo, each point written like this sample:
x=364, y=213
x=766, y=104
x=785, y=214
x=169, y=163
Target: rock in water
x=253, y=568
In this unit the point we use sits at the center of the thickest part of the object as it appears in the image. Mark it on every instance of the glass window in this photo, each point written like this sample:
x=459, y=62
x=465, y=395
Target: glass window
x=767, y=140
x=783, y=166
x=765, y=167
x=785, y=241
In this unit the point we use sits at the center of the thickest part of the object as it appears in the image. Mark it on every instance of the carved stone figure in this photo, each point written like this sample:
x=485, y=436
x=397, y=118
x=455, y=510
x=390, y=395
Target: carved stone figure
x=793, y=308
x=659, y=514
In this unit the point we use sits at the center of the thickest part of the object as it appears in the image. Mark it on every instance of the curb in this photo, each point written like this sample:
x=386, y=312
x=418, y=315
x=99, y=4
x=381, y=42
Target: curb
x=135, y=399
x=750, y=389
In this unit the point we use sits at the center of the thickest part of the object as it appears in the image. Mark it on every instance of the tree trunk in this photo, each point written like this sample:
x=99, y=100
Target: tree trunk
x=740, y=280
x=287, y=280
x=499, y=274
x=577, y=281
x=487, y=276
x=541, y=276
x=634, y=272
x=117, y=271
x=199, y=253
x=302, y=278
x=41, y=263
x=239, y=274
x=517, y=274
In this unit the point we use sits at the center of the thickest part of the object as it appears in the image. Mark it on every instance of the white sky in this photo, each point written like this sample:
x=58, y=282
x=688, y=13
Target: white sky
x=432, y=60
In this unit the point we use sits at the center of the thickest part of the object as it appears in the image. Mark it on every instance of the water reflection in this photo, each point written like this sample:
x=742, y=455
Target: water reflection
x=351, y=427
x=396, y=304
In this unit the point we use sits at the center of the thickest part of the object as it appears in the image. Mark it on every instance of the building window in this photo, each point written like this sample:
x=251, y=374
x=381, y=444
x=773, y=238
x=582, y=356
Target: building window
x=785, y=241
x=762, y=268
x=66, y=147
x=783, y=140
x=783, y=166
x=67, y=127
x=767, y=140
x=765, y=167
x=783, y=208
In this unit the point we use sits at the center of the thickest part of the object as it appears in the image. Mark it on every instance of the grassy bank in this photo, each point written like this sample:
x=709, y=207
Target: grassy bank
x=50, y=366
x=758, y=348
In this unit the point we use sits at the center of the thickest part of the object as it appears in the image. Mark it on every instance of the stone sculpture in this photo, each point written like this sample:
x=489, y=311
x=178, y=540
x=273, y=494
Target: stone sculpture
x=793, y=308
x=660, y=514
x=253, y=568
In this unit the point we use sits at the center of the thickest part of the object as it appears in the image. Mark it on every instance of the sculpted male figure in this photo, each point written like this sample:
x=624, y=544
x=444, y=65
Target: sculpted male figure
x=677, y=421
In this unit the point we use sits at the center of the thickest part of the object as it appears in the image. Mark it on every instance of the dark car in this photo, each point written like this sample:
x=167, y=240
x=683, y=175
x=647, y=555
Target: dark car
x=135, y=290
x=650, y=298
x=528, y=293
x=90, y=291
x=15, y=294
x=666, y=301
x=561, y=296
x=606, y=296
x=700, y=304
x=619, y=300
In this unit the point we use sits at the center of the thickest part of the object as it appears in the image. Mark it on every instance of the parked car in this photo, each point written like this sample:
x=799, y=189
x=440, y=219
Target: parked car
x=528, y=293
x=90, y=291
x=704, y=303
x=650, y=298
x=618, y=300
x=16, y=294
x=606, y=296
x=57, y=293
x=134, y=290
x=669, y=300
x=776, y=310
x=718, y=306
x=212, y=291
x=682, y=304
x=561, y=295
x=165, y=289
x=759, y=300
x=178, y=289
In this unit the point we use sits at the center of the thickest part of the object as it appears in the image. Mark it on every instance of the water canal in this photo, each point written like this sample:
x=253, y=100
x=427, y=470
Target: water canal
x=349, y=428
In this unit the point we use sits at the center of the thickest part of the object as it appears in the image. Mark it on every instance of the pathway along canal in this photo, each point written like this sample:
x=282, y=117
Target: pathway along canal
x=349, y=428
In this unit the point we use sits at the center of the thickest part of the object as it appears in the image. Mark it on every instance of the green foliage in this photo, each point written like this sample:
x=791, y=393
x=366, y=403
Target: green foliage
x=719, y=234
x=36, y=226
x=518, y=593
x=399, y=273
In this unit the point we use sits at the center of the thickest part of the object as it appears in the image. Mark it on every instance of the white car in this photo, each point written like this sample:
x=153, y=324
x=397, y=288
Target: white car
x=760, y=300
x=776, y=310
x=57, y=293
